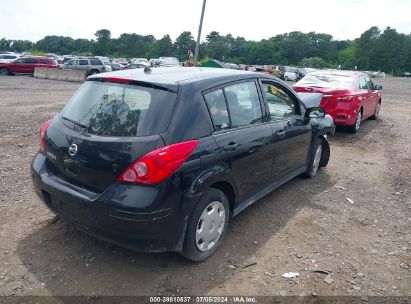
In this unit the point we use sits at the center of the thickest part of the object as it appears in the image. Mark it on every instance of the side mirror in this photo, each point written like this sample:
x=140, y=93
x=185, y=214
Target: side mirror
x=314, y=112
x=378, y=87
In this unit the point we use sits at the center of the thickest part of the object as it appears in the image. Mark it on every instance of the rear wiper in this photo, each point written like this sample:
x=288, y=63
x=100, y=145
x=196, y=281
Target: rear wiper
x=77, y=123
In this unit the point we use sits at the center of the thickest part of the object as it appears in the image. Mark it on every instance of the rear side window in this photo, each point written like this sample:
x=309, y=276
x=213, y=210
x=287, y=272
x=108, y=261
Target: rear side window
x=110, y=109
x=95, y=62
x=218, y=109
x=44, y=61
x=243, y=104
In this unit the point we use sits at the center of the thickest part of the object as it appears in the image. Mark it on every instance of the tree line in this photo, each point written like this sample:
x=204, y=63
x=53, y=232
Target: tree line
x=378, y=50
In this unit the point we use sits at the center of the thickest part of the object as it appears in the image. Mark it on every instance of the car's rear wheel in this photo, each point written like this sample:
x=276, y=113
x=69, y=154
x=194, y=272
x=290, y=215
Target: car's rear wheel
x=206, y=226
x=377, y=111
x=316, y=151
x=4, y=72
x=356, y=126
x=285, y=78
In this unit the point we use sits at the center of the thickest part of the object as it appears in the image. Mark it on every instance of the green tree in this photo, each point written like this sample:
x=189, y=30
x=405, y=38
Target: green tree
x=103, y=45
x=183, y=44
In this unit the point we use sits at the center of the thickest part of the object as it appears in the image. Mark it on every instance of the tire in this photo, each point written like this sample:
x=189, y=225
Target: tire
x=197, y=246
x=316, y=151
x=94, y=72
x=356, y=126
x=4, y=72
x=285, y=78
x=377, y=111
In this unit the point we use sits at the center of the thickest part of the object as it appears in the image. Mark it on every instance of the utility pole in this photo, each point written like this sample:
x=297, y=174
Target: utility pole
x=199, y=34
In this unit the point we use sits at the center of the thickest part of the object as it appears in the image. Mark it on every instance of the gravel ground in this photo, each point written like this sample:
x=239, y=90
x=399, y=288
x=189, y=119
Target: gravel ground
x=364, y=242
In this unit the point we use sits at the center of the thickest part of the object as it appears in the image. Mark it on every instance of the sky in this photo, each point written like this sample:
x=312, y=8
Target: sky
x=253, y=20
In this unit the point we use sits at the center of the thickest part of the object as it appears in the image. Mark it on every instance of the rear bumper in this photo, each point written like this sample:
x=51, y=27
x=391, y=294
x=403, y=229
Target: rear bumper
x=136, y=217
x=342, y=115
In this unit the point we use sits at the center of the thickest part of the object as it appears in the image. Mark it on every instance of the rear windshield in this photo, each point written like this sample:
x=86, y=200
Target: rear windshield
x=336, y=81
x=111, y=109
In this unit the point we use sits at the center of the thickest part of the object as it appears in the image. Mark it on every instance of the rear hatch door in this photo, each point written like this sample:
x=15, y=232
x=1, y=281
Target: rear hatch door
x=103, y=129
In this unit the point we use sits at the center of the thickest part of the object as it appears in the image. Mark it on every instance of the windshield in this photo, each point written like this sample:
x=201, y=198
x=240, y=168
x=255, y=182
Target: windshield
x=111, y=109
x=323, y=80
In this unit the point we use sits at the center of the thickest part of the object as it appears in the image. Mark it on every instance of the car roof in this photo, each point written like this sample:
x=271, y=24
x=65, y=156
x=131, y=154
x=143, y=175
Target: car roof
x=338, y=73
x=178, y=75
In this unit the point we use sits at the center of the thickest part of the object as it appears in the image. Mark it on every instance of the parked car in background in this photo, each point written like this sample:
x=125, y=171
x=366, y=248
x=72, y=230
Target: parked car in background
x=301, y=72
x=140, y=60
x=161, y=160
x=90, y=65
x=26, y=65
x=115, y=66
x=168, y=62
x=135, y=66
x=122, y=61
x=153, y=62
x=103, y=59
x=58, y=58
x=67, y=58
x=290, y=73
x=5, y=58
x=406, y=74
x=350, y=97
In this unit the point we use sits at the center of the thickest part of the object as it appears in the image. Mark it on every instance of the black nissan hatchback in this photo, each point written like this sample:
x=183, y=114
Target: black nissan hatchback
x=160, y=160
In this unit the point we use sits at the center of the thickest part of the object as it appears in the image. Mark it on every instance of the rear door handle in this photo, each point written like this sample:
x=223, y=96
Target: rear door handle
x=230, y=147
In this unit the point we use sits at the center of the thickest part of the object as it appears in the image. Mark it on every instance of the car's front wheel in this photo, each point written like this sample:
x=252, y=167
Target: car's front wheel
x=94, y=72
x=4, y=72
x=207, y=225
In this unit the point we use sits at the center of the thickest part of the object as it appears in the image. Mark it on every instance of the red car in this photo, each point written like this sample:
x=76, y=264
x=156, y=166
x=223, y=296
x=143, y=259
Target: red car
x=26, y=65
x=349, y=96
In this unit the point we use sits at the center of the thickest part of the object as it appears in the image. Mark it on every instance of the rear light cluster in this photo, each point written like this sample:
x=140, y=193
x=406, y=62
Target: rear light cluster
x=42, y=135
x=157, y=165
x=345, y=98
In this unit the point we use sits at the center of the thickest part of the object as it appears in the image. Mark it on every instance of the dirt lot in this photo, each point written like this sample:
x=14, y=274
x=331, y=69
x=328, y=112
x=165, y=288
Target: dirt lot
x=365, y=243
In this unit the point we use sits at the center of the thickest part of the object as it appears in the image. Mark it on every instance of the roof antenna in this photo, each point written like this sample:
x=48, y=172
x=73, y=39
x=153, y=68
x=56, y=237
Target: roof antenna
x=147, y=70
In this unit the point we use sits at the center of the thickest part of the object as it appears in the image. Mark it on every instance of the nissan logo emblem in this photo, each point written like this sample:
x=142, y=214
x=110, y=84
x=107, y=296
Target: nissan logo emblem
x=73, y=149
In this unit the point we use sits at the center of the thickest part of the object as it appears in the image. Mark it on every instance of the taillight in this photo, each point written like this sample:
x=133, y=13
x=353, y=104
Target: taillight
x=345, y=98
x=42, y=135
x=157, y=165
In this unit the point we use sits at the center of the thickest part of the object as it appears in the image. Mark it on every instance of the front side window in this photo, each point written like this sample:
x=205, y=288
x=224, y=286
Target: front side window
x=280, y=103
x=111, y=109
x=370, y=85
x=362, y=84
x=29, y=60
